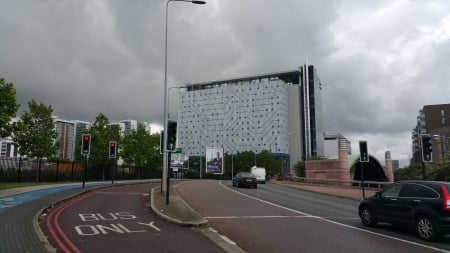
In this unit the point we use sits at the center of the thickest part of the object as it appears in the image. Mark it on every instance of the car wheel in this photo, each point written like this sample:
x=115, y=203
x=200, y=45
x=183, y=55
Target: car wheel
x=426, y=229
x=366, y=215
x=256, y=186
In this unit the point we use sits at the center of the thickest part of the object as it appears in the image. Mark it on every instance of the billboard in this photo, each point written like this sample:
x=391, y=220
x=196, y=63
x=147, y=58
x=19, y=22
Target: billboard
x=178, y=160
x=214, y=161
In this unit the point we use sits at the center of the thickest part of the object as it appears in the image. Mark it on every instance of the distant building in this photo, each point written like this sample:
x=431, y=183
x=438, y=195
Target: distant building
x=348, y=168
x=67, y=136
x=120, y=125
x=395, y=164
x=332, y=141
x=433, y=120
x=7, y=148
x=278, y=112
x=129, y=125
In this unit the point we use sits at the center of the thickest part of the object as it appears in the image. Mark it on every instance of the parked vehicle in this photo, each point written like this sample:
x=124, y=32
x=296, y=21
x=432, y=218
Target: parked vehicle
x=260, y=174
x=245, y=179
x=423, y=205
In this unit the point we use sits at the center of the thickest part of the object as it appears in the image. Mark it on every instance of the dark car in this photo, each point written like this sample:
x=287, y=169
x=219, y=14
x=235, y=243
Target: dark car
x=246, y=179
x=423, y=205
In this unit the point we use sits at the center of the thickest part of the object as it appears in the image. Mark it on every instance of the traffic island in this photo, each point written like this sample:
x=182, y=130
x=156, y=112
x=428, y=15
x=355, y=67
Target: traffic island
x=177, y=211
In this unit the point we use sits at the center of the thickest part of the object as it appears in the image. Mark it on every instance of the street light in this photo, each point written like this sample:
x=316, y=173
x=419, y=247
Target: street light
x=165, y=162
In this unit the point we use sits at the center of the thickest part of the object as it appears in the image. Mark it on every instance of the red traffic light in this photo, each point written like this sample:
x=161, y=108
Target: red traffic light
x=86, y=144
x=112, y=149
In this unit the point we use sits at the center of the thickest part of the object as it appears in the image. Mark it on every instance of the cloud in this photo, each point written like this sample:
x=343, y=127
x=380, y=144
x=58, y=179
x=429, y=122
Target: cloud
x=380, y=62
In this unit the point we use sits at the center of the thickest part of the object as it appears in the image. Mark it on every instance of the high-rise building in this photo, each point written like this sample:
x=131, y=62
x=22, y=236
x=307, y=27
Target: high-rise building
x=435, y=121
x=67, y=136
x=129, y=125
x=279, y=112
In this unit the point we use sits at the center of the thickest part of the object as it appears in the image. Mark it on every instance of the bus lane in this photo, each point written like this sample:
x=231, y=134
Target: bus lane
x=118, y=219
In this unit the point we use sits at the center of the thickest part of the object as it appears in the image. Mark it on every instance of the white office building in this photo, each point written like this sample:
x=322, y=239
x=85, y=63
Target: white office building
x=279, y=112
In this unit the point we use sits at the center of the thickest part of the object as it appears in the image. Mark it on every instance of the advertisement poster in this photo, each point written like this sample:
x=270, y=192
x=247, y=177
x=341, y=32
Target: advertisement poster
x=178, y=160
x=214, y=161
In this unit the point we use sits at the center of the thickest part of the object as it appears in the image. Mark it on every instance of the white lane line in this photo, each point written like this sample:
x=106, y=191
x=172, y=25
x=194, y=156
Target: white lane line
x=338, y=223
x=227, y=240
x=257, y=217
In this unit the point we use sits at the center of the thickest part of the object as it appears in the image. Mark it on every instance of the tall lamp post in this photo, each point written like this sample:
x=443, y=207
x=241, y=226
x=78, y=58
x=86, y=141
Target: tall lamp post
x=165, y=162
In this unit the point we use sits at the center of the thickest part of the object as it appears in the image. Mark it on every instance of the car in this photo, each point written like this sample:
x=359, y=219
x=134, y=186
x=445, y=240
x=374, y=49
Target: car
x=420, y=205
x=245, y=179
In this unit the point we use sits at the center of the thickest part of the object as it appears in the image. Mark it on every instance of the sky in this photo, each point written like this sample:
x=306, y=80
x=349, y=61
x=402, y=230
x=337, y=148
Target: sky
x=379, y=61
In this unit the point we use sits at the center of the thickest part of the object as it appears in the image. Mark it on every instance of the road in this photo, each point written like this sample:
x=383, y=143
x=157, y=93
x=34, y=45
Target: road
x=118, y=219
x=276, y=218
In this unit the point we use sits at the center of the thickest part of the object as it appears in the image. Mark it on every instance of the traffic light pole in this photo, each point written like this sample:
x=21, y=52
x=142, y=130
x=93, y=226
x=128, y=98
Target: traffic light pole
x=362, y=180
x=85, y=169
x=423, y=171
x=168, y=179
x=363, y=158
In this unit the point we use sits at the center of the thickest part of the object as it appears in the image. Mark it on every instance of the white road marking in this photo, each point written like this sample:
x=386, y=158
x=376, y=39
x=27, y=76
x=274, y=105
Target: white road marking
x=151, y=225
x=227, y=240
x=338, y=223
x=257, y=217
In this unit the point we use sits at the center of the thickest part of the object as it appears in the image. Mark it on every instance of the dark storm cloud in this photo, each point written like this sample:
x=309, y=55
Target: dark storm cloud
x=379, y=61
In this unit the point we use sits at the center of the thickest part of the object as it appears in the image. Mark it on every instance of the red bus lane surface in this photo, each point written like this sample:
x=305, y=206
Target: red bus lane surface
x=259, y=226
x=117, y=219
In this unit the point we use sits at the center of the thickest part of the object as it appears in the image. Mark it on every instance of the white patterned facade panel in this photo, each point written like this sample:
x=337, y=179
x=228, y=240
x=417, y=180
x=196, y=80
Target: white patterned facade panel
x=244, y=116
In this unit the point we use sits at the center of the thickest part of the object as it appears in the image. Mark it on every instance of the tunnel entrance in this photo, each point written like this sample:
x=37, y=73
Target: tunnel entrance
x=373, y=171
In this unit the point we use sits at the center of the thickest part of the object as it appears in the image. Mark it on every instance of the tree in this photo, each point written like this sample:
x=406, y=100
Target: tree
x=442, y=170
x=8, y=107
x=244, y=161
x=35, y=134
x=300, y=169
x=101, y=133
x=270, y=161
x=141, y=149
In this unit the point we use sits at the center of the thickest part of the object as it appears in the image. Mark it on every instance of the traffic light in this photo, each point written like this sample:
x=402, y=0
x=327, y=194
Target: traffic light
x=86, y=144
x=427, y=147
x=171, y=135
x=112, y=149
x=363, y=153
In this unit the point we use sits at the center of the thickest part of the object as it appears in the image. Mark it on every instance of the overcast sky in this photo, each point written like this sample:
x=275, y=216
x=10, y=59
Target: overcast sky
x=379, y=61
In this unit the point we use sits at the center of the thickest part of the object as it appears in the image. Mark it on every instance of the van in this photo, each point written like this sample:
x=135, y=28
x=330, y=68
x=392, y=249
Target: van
x=260, y=174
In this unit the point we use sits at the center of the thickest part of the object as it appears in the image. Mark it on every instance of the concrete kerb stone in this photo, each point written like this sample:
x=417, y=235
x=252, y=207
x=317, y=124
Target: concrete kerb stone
x=177, y=211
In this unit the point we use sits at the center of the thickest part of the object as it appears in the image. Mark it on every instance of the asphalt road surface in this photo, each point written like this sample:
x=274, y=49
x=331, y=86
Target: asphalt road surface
x=292, y=220
x=118, y=219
